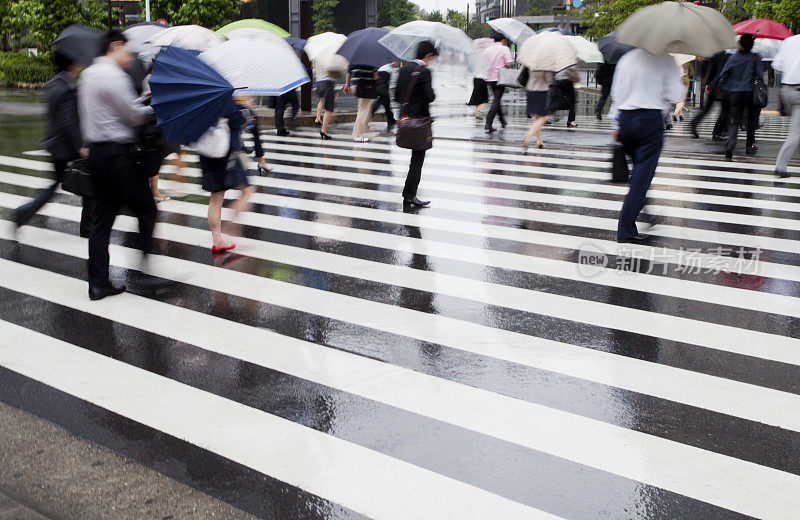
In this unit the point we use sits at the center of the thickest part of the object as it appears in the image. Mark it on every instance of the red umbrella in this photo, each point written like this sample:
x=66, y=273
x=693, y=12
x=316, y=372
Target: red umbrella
x=763, y=28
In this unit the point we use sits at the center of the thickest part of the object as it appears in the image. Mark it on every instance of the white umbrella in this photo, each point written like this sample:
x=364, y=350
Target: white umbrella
x=454, y=46
x=265, y=68
x=512, y=29
x=547, y=51
x=138, y=36
x=681, y=59
x=191, y=37
x=585, y=50
x=321, y=49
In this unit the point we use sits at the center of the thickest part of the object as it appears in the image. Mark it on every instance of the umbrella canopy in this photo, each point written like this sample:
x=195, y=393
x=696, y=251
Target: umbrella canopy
x=788, y=57
x=681, y=59
x=321, y=49
x=763, y=28
x=253, y=23
x=277, y=75
x=404, y=40
x=296, y=43
x=79, y=43
x=677, y=27
x=585, y=50
x=362, y=47
x=547, y=51
x=258, y=34
x=565, y=32
x=139, y=34
x=188, y=95
x=191, y=37
x=611, y=49
x=512, y=29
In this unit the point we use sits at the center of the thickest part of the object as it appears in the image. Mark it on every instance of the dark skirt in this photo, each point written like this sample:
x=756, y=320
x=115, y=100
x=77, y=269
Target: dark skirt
x=537, y=103
x=480, y=93
x=224, y=173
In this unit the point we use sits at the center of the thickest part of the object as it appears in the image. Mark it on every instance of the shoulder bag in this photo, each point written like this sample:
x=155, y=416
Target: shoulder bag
x=760, y=92
x=215, y=142
x=414, y=133
x=509, y=78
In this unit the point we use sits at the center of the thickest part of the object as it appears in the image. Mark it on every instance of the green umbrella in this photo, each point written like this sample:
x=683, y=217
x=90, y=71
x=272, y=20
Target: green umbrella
x=253, y=23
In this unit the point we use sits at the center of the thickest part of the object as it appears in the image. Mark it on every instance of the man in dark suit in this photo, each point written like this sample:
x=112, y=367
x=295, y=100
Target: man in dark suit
x=281, y=102
x=604, y=76
x=713, y=70
x=415, y=93
x=63, y=139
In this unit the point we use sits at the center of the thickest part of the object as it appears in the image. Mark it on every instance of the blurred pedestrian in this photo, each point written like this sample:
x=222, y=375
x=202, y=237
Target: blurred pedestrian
x=497, y=56
x=364, y=78
x=738, y=75
x=63, y=139
x=326, y=90
x=281, y=102
x=713, y=94
x=220, y=174
x=415, y=93
x=536, y=87
x=788, y=62
x=383, y=98
x=109, y=114
x=643, y=86
x=604, y=75
x=480, y=96
x=153, y=144
x=686, y=79
x=562, y=94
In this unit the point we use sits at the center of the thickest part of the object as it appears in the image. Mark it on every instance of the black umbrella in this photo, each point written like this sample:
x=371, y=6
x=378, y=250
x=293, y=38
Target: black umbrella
x=78, y=43
x=611, y=49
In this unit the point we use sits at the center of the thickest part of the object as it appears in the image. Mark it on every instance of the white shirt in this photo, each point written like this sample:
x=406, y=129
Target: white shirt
x=107, y=104
x=788, y=61
x=644, y=81
x=389, y=67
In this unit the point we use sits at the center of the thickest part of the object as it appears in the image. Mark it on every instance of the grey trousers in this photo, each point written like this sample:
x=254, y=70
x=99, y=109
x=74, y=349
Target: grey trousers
x=791, y=100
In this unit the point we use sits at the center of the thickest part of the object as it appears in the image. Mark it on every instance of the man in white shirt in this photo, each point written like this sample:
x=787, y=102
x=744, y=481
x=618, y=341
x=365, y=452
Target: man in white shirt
x=384, y=99
x=497, y=56
x=644, y=86
x=788, y=62
x=109, y=114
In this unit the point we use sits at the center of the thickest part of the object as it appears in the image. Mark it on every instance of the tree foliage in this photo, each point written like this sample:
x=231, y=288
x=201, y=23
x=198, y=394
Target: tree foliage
x=208, y=13
x=603, y=16
x=539, y=7
x=36, y=23
x=431, y=16
x=455, y=18
x=323, y=15
x=396, y=12
x=161, y=9
x=786, y=12
x=479, y=30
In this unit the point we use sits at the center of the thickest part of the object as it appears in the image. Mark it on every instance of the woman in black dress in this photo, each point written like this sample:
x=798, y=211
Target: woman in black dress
x=480, y=96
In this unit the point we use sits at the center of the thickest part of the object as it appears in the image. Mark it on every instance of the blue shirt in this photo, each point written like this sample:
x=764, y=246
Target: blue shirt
x=740, y=71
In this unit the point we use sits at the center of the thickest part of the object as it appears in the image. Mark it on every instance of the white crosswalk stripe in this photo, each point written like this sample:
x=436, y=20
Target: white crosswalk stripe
x=661, y=384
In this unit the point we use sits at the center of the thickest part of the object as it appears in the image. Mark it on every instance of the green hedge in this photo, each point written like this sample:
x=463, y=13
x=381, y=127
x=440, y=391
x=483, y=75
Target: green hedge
x=18, y=68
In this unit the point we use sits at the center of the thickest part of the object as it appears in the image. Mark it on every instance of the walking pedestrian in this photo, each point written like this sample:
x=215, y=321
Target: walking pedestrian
x=738, y=75
x=415, y=93
x=364, y=79
x=480, y=96
x=788, y=62
x=109, y=114
x=220, y=174
x=497, y=56
x=604, y=75
x=249, y=102
x=643, y=86
x=713, y=94
x=153, y=144
x=537, y=86
x=326, y=90
x=562, y=94
x=63, y=139
x=383, y=98
x=281, y=102
x=686, y=79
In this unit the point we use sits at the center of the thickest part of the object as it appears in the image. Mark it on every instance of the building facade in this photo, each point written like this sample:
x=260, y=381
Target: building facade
x=349, y=15
x=486, y=10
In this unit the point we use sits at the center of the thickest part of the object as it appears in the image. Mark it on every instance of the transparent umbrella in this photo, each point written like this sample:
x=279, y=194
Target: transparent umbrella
x=454, y=46
x=138, y=36
x=512, y=29
x=585, y=50
x=189, y=37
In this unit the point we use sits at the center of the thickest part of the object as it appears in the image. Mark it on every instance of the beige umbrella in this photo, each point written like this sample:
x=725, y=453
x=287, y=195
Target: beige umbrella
x=191, y=37
x=677, y=27
x=547, y=51
x=321, y=49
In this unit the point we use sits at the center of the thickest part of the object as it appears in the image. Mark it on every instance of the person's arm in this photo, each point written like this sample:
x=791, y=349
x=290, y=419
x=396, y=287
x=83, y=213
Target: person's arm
x=759, y=65
x=674, y=89
x=64, y=111
x=618, y=91
x=258, y=149
x=726, y=71
x=122, y=98
x=426, y=87
x=509, y=58
x=347, y=79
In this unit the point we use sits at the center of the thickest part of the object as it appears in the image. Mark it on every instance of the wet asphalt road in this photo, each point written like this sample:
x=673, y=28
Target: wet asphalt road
x=352, y=360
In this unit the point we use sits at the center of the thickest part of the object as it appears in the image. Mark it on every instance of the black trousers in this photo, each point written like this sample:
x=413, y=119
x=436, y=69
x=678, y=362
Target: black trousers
x=496, y=109
x=23, y=214
x=414, y=174
x=605, y=92
x=742, y=109
x=289, y=98
x=118, y=183
x=384, y=99
x=721, y=125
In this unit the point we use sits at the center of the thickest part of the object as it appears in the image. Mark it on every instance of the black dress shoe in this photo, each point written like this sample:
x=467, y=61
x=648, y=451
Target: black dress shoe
x=751, y=150
x=638, y=239
x=695, y=135
x=98, y=292
x=503, y=124
x=729, y=156
x=283, y=133
x=490, y=129
x=782, y=174
x=414, y=201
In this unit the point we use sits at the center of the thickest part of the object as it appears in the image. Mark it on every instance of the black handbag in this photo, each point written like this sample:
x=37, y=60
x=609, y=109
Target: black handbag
x=366, y=89
x=619, y=165
x=414, y=133
x=77, y=180
x=760, y=91
x=524, y=76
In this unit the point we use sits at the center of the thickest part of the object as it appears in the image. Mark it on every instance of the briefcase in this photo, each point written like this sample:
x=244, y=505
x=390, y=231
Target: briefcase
x=509, y=78
x=415, y=133
x=77, y=180
x=619, y=165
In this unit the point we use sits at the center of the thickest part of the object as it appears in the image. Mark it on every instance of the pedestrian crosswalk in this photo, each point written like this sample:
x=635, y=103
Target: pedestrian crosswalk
x=494, y=356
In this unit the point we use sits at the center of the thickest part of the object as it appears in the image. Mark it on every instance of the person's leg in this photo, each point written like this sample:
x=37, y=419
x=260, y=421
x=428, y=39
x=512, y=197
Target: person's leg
x=494, y=106
x=24, y=213
x=320, y=105
x=500, y=114
x=102, y=167
x=242, y=204
x=643, y=133
x=140, y=202
x=571, y=114
x=791, y=99
x=701, y=114
x=361, y=125
x=291, y=97
x=87, y=215
x=414, y=174
x=737, y=108
x=605, y=92
x=215, y=219
x=753, y=115
x=280, y=109
x=723, y=120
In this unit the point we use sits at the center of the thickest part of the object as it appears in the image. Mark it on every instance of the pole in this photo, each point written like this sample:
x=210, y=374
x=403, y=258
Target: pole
x=306, y=31
x=110, y=25
x=147, y=10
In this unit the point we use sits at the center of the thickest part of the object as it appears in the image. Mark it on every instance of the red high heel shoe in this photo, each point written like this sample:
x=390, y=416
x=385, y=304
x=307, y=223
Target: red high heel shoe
x=215, y=249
